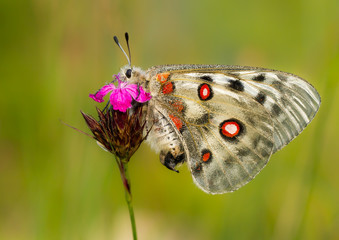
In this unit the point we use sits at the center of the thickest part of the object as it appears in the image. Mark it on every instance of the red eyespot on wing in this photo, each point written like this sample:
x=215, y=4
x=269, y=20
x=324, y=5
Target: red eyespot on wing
x=162, y=77
x=206, y=155
x=230, y=129
x=168, y=88
x=177, y=121
x=205, y=92
x=177, y=105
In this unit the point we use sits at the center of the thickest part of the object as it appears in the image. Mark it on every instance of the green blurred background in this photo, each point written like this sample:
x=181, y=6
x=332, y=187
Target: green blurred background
x=58, y=184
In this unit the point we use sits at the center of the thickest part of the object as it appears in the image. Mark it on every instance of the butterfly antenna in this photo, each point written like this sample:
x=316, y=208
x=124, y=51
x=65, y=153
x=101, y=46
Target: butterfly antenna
x=129, y=50
x=117, y=42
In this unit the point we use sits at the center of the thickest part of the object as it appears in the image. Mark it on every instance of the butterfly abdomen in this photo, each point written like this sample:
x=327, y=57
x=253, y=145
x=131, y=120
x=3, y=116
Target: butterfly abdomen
x=164, y=139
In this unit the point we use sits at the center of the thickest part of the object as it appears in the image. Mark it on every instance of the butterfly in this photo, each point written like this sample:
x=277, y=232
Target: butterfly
x=224, y=121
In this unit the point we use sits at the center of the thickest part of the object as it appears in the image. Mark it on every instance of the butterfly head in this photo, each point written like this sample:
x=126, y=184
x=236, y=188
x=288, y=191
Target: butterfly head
x=132, y=75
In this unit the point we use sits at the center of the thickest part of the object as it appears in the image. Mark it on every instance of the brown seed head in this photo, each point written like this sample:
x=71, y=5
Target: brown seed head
x=120, y=133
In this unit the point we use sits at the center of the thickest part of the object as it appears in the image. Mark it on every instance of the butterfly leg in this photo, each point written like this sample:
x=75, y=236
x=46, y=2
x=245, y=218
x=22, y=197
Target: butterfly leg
x=107, y=105
x=138, y=87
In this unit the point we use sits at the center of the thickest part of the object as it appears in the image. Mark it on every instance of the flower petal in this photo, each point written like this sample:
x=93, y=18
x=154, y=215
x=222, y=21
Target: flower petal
x=99, y=95
x=132, y=89
x=121, y=100
x=143, y=96
x=96, y=97
x=138, y=95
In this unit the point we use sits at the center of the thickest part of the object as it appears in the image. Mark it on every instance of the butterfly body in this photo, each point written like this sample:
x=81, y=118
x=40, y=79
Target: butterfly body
x=224, y=121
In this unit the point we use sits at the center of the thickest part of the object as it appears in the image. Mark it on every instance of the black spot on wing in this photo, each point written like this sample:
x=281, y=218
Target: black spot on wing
x=260, y=98
x=203, y=119
x=207, y=78
x=276, y=110
x=243, y=152
x=236, y=85
x=259, y=78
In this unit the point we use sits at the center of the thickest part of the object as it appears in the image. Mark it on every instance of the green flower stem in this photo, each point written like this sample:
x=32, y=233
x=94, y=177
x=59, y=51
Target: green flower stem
x=128, y=195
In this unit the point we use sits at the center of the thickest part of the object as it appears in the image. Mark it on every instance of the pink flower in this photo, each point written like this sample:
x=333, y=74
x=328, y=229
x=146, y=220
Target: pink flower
x=121, y=97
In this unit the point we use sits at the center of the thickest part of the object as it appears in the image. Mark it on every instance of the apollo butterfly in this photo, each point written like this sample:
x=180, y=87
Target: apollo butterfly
x=224, y=121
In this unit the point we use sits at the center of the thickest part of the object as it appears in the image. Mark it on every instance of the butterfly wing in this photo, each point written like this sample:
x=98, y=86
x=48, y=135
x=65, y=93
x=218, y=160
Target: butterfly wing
x=230, y=119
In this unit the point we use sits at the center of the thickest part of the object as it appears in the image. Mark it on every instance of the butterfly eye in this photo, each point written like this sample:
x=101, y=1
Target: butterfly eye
x=128, y=73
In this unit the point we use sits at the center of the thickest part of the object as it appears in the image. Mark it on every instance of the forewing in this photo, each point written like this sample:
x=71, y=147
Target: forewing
x=291, y=101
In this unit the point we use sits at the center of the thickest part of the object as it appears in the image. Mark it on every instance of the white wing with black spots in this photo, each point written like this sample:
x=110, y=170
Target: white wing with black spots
x=230, y=119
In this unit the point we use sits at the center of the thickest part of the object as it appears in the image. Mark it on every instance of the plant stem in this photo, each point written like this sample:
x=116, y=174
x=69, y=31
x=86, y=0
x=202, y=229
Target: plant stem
x=128, y=194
